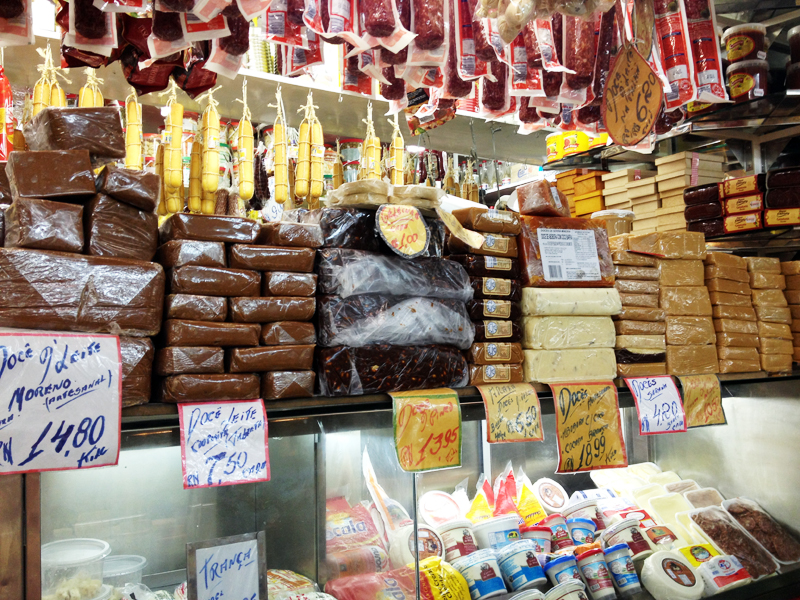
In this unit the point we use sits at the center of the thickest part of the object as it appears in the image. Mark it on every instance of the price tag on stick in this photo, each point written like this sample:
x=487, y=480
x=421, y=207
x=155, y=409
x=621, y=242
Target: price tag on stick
x=230, y=567
x=427, y=429
x=513, y=413
x=588, y=426
x=402, y=228
x=702, y=399
x=223, y=443
x=658, y=404
x=60, y=398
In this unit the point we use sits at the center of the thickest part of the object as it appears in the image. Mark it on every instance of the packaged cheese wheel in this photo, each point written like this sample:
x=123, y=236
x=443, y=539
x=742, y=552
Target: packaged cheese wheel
x=737, y=353
x=673, y=244
x=732, y=273
x=739, y=366
x=633, y=313
x=791, y=267
x=733, y=326
x=631, y=286
x=723, y=259
x=688, y=331
x=623, y=257
x=774, y=314
x=742, y=340
x=667, y=575
x=764, y=264
x=762, y=281
x=641, y=369
x=640, y=273
x=640, y=327
x=570, y=301
x=689, y=300
x=740, y=313
x=780, y=331
x=769, y=298
x=728, y=286
x=558, y=366
x=692, y=360
x=726, y=299
x=642, y=300
x=655, y=342
x=680, y=272
x=557, y=332
x=774, y=346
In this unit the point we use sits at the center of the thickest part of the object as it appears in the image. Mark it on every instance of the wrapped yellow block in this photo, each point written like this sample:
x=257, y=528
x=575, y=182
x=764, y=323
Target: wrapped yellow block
x=690, y=331
x=558, y=332
x=689, y=301
x=692, y=360
x=558, y=366
x=680, y=272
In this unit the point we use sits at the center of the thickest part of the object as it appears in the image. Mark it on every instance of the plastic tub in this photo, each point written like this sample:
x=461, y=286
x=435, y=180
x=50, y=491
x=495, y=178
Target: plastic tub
x=550, y=495
x=122, y=569
x=644, y=470
x=458, y=539
x=482, y=573
x=528, y=595
x=554, y=147
x=704, y=497
x=644, y=518
x=585, y=509
x=438, y=508
x=595, y=494
x=794, y=43
x=562, y=569
x=620, y=562
x=745, y=42
x=592, y=565
x=497, y=532
x=560, y=538
x=617, y=221
x=664, y=478
x=79, y=559
x=105, y=592
x=628, y=532
x=569, y=590
x=581, y=530
x=541, y=535
x=747, y=80
x=520, y=567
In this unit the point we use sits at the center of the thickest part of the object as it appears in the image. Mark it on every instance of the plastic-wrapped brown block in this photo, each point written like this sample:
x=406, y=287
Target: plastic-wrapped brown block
x=641, y=369
x=623, y=257
x=680, y=272
x=209, y=228
x=690, y=331
x=268, y=310
x=281, y=385
x=740, y=340
x=204, y=333
x=769, y=298
x=44, y=225
x=495, y=244
x=692, y=360
x=631, y=286
x=763, y=264
x=688, y=301
x=738, y=313
x=720, y=272
x=294, y=235
x=792, y=296
x=780, y=331
x=185, y=253
x=727, y=286
x=640, y=327
x=177, y=360
x=734, y=326
x=636, y=273
x=791, y=267
x=279, y=283
x=774, y=346
x=640, y=300
x=776, y=363
x=541, y=198
x=738, y=353
x=221, y=386
x=214, y=281
x=644, y=342
x=673, y=244
x=137, y=367
x=119, y=230
x=739, y=366
x=271, y=258
x=60, y=174
x=489, y=221
x=195, y=308
x=489, y=353
x=759, y=280
x=492, y=374
x=140, y=189
x=619, y=243
x=288, y=332
x=270, y=358
x=792, y=282
x=723, y=259
x=725, y=299
x=633, y=313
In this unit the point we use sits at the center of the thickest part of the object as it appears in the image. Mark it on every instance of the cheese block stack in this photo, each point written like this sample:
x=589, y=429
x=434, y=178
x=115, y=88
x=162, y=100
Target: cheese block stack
x=615, y=187
x=588, y=196
x=774, y=317
x=237, y=309
x=675, y=173
x=683, y=297
x=735, y=320
x=496, y=354
x=791, y=271
x=645, y=201
x=640, y=347
x=732, y=206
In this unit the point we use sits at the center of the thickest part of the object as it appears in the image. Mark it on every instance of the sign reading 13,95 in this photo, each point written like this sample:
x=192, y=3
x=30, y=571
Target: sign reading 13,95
x=59, y=401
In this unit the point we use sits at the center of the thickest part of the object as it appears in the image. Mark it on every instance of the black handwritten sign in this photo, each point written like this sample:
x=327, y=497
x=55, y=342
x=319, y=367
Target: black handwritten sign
x=59, y=401
x=227, y=568
x=223, y=443
x=658, y=404
x=588, y=427
x=513, y=413
x=632, y=98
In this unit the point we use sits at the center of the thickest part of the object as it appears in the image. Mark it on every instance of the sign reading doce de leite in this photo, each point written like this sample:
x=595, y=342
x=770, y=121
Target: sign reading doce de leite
x=513, y=413
x=223, y=443
x=658, y=404
x=59, y=401
x=232, y=568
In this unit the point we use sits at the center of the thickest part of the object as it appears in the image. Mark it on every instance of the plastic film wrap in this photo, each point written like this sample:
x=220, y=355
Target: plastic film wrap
x=633, y=313
x=640, y=327
x=641, y=342
x=494, y=331
x=680, y=272
x=641, y=369
x=496, y=288
x=760, y=280
x=725, y=299
x=269, y=310
x=44, y=225
x=791, y=267
x=59, y=174
x=493, y=309
x=721, y=272
x=278, y=283
x=763, y=264
x=636, y=273
x=636, y=356
x=223, y=386
x=701, y=194
x=768, y=532
x=774, y=314
x=270, y=358
x=491, y=353
x=723, y=259
x=727, y=365
x=556, y=366
x=738, y=353
x=137, y=366
x=177, y=360
x=774, y=330
x=119, y=230
x=281, y=385
x=293, y=235
x=205, y=333
x=632, y=286
x=623, y=257
x=769, y=298
x=542, y=198
x=195, y=308
x=184, y=253
x=553, y=333
x=494, y=374
x=569, y=301
x=692, y=360
x=288, y=333
x=734, y=326
x=690, y=331
x=741, y=313
x=737, y=340
x=344, y=227
x=137, y=188
x=728, y=286
x=487, y=266
x=209, y=228
x=774, y=346
x=214, y=281
x=776, y=363
x=488, y=220
x=271, y=258
x=686, y=300
x=677, y=244
x=639, y=300
x=495, y=244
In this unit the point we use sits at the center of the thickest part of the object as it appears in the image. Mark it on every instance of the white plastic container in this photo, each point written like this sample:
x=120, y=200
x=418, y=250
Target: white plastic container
x=754, y=506
x=644, y=470
x=541, y=535
x=122, y=569
x=704, y=497
x=620, y=563
x=597, y=494
x=569, y=590
x=562, y=569
x=79, y=560
x=550, y=494
x=628, y=532
x=528, y=595
x=520, y=567
x=667, y=575
x=664, y=478
x=723, y=573
x=438, y=508
x=642, y=495
x=581, y=530
x=585, y=509
x=458, y=539
x=682, y=486
x=560, y=538
x=593, y=568
x=105, y=592
x=482, y=573
x=644, y=518
x=497, y=532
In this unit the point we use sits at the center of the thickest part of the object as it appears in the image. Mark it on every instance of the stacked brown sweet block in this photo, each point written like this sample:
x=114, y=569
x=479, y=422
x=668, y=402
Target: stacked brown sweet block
x=774, y=317
x=791, y=269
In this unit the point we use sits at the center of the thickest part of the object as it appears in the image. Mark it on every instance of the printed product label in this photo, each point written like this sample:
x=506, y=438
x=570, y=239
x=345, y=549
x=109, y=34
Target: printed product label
x=486, y=580
x=521, y=569
x=498, y=352
x=698, y=554
x=739, y=186
x=637, y=543
x=728, y=571
x=661, y=534
x=743, y=222
x=744, y=204
x=679, y=572
x=644, y=518
x=624, y=572
x=499, y=216
x=556, y=196
x=495, y=263
x=429, y=543
x=552, y=495
x=569, y=255
x=496, y=244
x=582, y=536
x=497, y=308
x=458, y=542
x=497, y=373
x=568, y=573
x=739, y=46
x=497, y=329
x=741, y=84
x=561, y=538
x=551, y=151
x=782, y=216
x=596, y=576
x=498, y=539
x=496, y=287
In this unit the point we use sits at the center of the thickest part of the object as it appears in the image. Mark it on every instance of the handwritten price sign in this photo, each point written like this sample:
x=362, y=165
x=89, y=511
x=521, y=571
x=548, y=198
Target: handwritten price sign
x=223, y=443
x=427, y=429
x=59, y=401
x=658, y=404
x=588, y=427
x=513, y=413
x=403, y=228
x=233, y=567
x=702, y=399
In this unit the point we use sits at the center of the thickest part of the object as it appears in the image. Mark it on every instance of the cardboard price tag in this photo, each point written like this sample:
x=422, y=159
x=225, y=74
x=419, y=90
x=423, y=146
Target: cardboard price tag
x=59, y=401
x=427, y=429
x=402, y=228
x=513, y=413
x=658, y=404
x=223, y=443
x=702, y=400
x=588, y=426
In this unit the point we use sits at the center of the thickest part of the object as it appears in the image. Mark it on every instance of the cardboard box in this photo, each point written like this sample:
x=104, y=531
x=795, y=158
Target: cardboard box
x=684, y=181
x=586, y=184
x=643, y=187
x=689, y=155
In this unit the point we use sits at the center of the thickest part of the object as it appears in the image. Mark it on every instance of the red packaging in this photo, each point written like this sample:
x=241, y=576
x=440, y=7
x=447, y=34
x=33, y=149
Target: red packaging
x=676, y=53
x=709, y=74
x=742, y=222
x=348, y=528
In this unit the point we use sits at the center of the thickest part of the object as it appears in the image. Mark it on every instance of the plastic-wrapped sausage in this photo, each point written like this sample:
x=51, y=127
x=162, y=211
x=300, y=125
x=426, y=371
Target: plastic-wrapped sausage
x=325, y=15
x=295, y=10
x=454, y=86
x=483, y=49
x=167, y=26
x=352, y=62
x=238, y=42
x=578, y=51
x=429, y=24
x=527, y=113
x=90, y=22
x=11, y=9
x=378, y=17
x=181, y=5
x=396, y=88
x=398, y=58
x=532, y=45
x=551, y=80
x=494, y=92
x=606, y=42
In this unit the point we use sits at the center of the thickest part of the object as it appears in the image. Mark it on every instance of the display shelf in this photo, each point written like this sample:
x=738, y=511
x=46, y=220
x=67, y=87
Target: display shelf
x=757, y=117
x=770, y=241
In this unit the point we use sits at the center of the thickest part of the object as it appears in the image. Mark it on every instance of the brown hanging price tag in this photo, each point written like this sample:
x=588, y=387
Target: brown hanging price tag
x=632, y=98
x=702, y=399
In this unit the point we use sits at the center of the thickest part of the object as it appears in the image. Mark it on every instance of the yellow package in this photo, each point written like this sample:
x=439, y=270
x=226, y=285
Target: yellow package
x=697, y=554
x=529, y=507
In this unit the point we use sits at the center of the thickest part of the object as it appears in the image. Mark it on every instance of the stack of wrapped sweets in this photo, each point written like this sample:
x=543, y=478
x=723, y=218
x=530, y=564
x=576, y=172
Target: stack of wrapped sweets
x=735, y=321
x=568, y=295
x=60, y=212
x=676, y=173
x=588, y=193
x=645, y=202
x=496, y=354
x=775, y=338
x=791, y=270
x=238, y=310
x=387, y=322
x=615, y=184
x=689, y=331
x=782, y=198
x=640, y=347
x=742, y=201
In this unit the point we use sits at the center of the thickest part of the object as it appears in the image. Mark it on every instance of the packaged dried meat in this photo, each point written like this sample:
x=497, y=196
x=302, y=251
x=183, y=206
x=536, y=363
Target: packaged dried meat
x=493, y=309
x=288, y=332
x=640, y=327
x=351, y=272
x=705, y=52
x=269, y=310
x=487, y=266
x=692, y=360
x=774, y=314
x=686, y=301
x=177, y=360
x=488, y=220
x=541, y=198
x=344, y=227
x=494, y=94
x=271, y=258
x=53, y=290
x=703, y=212
x=277, y=283
x=214, y=281
x=674, y=244
x=207, y=387
x=493, y=374
x=281, y=385
x=674, y=43
x=97, y=129
x=119, y=230
x=137, y=188
x=495, y=244
x=270, y=358
x=494, y=287
x=490, y=353
x=549, y=253
x=492, y=331
x=183, y=253
x=209, y=228
x=137, y=366
x=44, y=225
x=59, y=174
x=740, y=313
x=346, y=371
x=195, y=308
x=370, y=319
x=680, y=272
x=579, y=52
x=768, y=532
x=206, y=333
x=690, y=331
x=701, y=194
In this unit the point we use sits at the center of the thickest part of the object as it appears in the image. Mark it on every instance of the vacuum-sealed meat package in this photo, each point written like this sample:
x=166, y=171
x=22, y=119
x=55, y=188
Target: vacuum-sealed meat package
x=137, y=366
x=120, y=230
x=44, y=225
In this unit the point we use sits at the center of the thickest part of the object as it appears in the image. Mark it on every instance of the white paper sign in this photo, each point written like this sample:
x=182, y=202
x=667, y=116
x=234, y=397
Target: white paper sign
x=228, y=571
x=59, y=401
x=223, y=443
x=658, y=404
